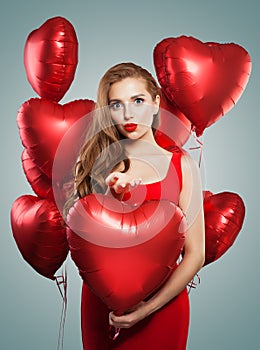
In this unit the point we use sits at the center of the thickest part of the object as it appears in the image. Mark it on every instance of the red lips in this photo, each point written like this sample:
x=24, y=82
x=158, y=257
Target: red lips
x=130, y=127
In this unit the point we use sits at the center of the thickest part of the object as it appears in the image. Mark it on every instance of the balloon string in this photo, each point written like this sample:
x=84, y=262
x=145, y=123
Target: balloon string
x=193, y=284
x=200, y=147
x=113, y=332
x=61, y=282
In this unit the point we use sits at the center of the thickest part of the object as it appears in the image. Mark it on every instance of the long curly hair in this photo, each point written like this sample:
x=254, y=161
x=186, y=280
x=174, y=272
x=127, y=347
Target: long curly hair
x=102, y=152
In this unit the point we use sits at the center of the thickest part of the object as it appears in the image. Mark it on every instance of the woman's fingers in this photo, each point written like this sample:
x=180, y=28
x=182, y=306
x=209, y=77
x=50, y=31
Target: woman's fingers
x=119, y=188
x=121, y=182
x=129, y=318
x=127, y=186
x=135, y=182
x=112, y=179
x=118, y=322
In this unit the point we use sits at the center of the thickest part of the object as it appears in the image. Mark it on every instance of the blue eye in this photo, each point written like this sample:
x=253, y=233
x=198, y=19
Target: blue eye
x=115, y=106
x=139, y=101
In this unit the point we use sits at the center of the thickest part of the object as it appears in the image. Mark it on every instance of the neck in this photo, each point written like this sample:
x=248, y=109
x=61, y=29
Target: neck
x=144, y=146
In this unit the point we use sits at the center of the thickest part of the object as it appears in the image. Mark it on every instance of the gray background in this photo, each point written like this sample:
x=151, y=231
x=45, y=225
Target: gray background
x=225, y=307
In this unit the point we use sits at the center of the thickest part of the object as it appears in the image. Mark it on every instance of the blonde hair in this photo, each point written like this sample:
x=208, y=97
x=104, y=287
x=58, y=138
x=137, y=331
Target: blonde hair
x=102, y=152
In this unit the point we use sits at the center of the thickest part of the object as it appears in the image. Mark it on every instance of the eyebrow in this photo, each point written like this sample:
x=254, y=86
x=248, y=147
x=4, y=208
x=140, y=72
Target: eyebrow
x=131, y=98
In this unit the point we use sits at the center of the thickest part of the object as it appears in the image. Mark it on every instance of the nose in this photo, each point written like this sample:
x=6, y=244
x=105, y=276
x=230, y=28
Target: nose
x=128, y=113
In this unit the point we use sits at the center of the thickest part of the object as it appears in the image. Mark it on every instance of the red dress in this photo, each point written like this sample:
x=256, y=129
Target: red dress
x=165, y=329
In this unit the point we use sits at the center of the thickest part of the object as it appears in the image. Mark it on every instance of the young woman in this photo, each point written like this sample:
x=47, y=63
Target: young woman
x=120, y=157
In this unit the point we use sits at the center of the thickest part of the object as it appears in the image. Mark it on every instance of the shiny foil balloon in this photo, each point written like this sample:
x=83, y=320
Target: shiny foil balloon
x=207, y=194
x=204, y=80
x=174, y=128
x=51, y=58
x=42, y=125
x=127, y=267
x=39, y=234
x=224, y=216
x=40, y=183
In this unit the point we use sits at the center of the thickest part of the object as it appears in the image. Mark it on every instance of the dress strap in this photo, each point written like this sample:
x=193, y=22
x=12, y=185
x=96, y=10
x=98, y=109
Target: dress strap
x=176, y=161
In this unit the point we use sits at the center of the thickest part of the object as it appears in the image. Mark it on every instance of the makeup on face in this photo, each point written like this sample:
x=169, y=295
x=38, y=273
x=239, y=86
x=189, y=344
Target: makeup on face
x=131, y=107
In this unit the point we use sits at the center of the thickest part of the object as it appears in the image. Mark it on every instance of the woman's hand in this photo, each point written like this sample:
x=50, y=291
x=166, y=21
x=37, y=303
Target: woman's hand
x=121, y=183
x=129, y=319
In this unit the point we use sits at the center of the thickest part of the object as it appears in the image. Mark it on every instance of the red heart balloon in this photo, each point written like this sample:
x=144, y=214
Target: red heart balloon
x=51, y=58
x=140, y=247
x=224, y=215
x=39, y=182
x=42, y=125
x=205, y=80
x=174, y=128
x=207, y=194
x=42, y=185
x=39, y=234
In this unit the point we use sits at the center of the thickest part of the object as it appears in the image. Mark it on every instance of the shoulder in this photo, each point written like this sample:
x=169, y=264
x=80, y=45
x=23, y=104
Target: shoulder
x=189, y=165
x=191, y=180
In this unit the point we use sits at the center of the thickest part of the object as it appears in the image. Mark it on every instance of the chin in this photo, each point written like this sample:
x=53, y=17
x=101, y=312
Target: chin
x=131, y=137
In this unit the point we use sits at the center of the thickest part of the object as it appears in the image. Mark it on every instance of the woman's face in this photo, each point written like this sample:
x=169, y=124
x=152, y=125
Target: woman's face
x=132, y=108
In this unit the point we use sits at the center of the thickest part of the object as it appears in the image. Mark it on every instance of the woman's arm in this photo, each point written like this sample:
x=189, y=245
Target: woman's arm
x=192, y=205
